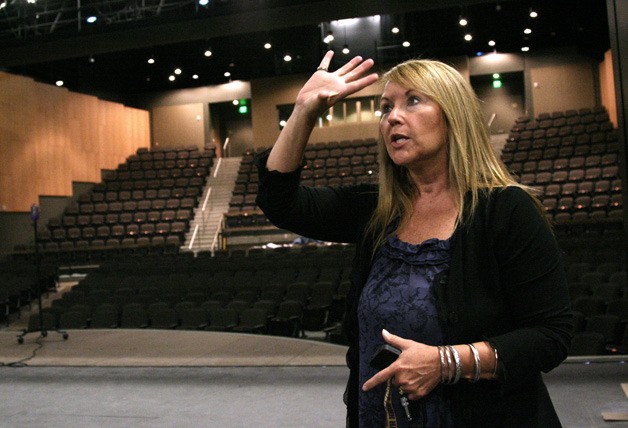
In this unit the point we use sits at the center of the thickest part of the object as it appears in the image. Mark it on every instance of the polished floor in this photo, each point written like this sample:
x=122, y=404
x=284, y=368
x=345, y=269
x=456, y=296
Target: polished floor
x=166, y=378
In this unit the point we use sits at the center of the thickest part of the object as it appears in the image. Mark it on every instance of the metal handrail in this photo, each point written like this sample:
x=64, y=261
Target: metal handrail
x=212, y=248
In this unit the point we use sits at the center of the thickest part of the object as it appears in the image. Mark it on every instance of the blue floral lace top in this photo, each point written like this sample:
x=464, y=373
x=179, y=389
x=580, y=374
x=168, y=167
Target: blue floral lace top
x=399, y=297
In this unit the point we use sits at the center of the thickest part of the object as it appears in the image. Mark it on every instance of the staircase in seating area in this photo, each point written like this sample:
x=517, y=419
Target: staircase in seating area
x=204, y=228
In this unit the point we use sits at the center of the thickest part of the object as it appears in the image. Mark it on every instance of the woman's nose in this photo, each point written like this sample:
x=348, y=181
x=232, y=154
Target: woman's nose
x=393, y=115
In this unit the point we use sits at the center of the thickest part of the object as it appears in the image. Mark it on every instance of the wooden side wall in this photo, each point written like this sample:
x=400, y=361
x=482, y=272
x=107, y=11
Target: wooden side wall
x=50, y=137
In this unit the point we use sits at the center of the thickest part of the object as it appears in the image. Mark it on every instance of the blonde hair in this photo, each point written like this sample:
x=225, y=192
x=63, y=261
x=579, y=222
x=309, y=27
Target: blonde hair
x=474, y=166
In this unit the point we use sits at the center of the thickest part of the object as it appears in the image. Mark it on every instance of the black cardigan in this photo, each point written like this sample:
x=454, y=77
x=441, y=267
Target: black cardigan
x=506, y=284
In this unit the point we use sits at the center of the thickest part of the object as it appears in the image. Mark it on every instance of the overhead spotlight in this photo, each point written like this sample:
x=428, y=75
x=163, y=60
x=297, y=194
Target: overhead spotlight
x=151, y=60
x=329, y=37
x=171, y=78
x=463, y=21
x=195, y=76
x=235, y=102
x=525, y=49
x=59, y=83
x=31, y=1
x=287, y=58
x=227, y=74
x=345, y=49
x=203, y=2
x=3, y=5
x=491, y=43
x=533, y=13
x=267, y=46
x=177, y=71
x=92, y=19
x=208, y=53
x=395, y=30
x=527, y=31
x=406, y=44
x=468, y=37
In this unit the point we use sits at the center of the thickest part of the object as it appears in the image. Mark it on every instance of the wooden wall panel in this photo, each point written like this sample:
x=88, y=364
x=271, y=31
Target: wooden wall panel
x=50, y=137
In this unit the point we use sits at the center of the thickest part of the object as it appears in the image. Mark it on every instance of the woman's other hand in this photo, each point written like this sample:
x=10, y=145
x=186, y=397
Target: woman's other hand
x=417, y=371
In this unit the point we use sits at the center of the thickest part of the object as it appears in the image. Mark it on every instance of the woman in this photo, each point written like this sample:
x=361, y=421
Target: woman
x=455, y=264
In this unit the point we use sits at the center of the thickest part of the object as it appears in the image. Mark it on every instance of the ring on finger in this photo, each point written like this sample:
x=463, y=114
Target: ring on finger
x=320, y=67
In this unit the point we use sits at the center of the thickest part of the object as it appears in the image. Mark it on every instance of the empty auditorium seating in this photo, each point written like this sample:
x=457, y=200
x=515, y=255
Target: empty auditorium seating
x=326, y=164
x=144, y=198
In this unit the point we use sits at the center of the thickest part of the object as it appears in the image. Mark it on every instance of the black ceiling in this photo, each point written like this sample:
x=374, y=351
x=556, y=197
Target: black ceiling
x=109, y=58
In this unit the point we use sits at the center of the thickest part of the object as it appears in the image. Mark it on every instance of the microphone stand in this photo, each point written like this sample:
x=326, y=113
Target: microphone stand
x=42, y=331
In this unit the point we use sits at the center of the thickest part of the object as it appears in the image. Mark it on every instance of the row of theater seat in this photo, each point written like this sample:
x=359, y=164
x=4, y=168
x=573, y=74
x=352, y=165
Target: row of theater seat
x=147, y=200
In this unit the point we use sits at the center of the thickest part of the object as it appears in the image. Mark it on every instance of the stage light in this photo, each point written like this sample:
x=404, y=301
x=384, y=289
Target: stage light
x=345, y=50
x=208, y=53
x=468, y=37
x=406, y=44
x=195, y=76
x=267, y=46
x=287, y=58
x=525, y=49
x=151, y=60
x=92, y=19
x=227, y=74
x=329, y=37
x=177, y=71
x=59, y=83
x=171, y=78
x=491, y=43
x=395, y=30
x=527, y=31
x=235, y=102
x=533, y=13
x=463, y=21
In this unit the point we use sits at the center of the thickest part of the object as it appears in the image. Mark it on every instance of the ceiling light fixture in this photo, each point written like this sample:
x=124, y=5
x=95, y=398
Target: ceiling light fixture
x=92, y=19
x=171, y=78
x=195, y=76
x=208, y=53
x=525, y=49
x=267, y=46
x=533, y=13
x=468, y=37
x=329, y=37
x=527, y=31
x=235, y=102
x=287, y=58
x=345, y=49
x=203, y=2
x=227, y=74
x=491, y=43
x=462, y=21
x=59, y=83
x=3, y=5
x=151, y=60
x=177, y=71
x=395, y=30
x=406, y=44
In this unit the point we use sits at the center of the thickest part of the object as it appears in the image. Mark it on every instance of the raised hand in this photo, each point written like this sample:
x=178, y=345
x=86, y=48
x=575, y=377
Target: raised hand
x=325, y=87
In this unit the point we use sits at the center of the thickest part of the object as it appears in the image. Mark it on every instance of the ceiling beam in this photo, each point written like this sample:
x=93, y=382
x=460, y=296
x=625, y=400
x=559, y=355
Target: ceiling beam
x=243, y=22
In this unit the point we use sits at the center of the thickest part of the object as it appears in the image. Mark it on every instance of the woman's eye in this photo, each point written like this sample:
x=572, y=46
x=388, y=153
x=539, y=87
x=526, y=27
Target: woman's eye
x=385, y=108
x=414, y=100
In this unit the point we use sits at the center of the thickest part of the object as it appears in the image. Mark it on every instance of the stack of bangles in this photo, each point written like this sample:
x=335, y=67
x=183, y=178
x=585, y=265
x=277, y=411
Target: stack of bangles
x=451, y=367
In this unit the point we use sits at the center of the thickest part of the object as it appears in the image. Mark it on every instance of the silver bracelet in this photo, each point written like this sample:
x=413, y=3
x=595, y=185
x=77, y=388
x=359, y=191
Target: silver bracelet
x=449, y=365
x=476, y=358
x=454, y=352
x=441, y=353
